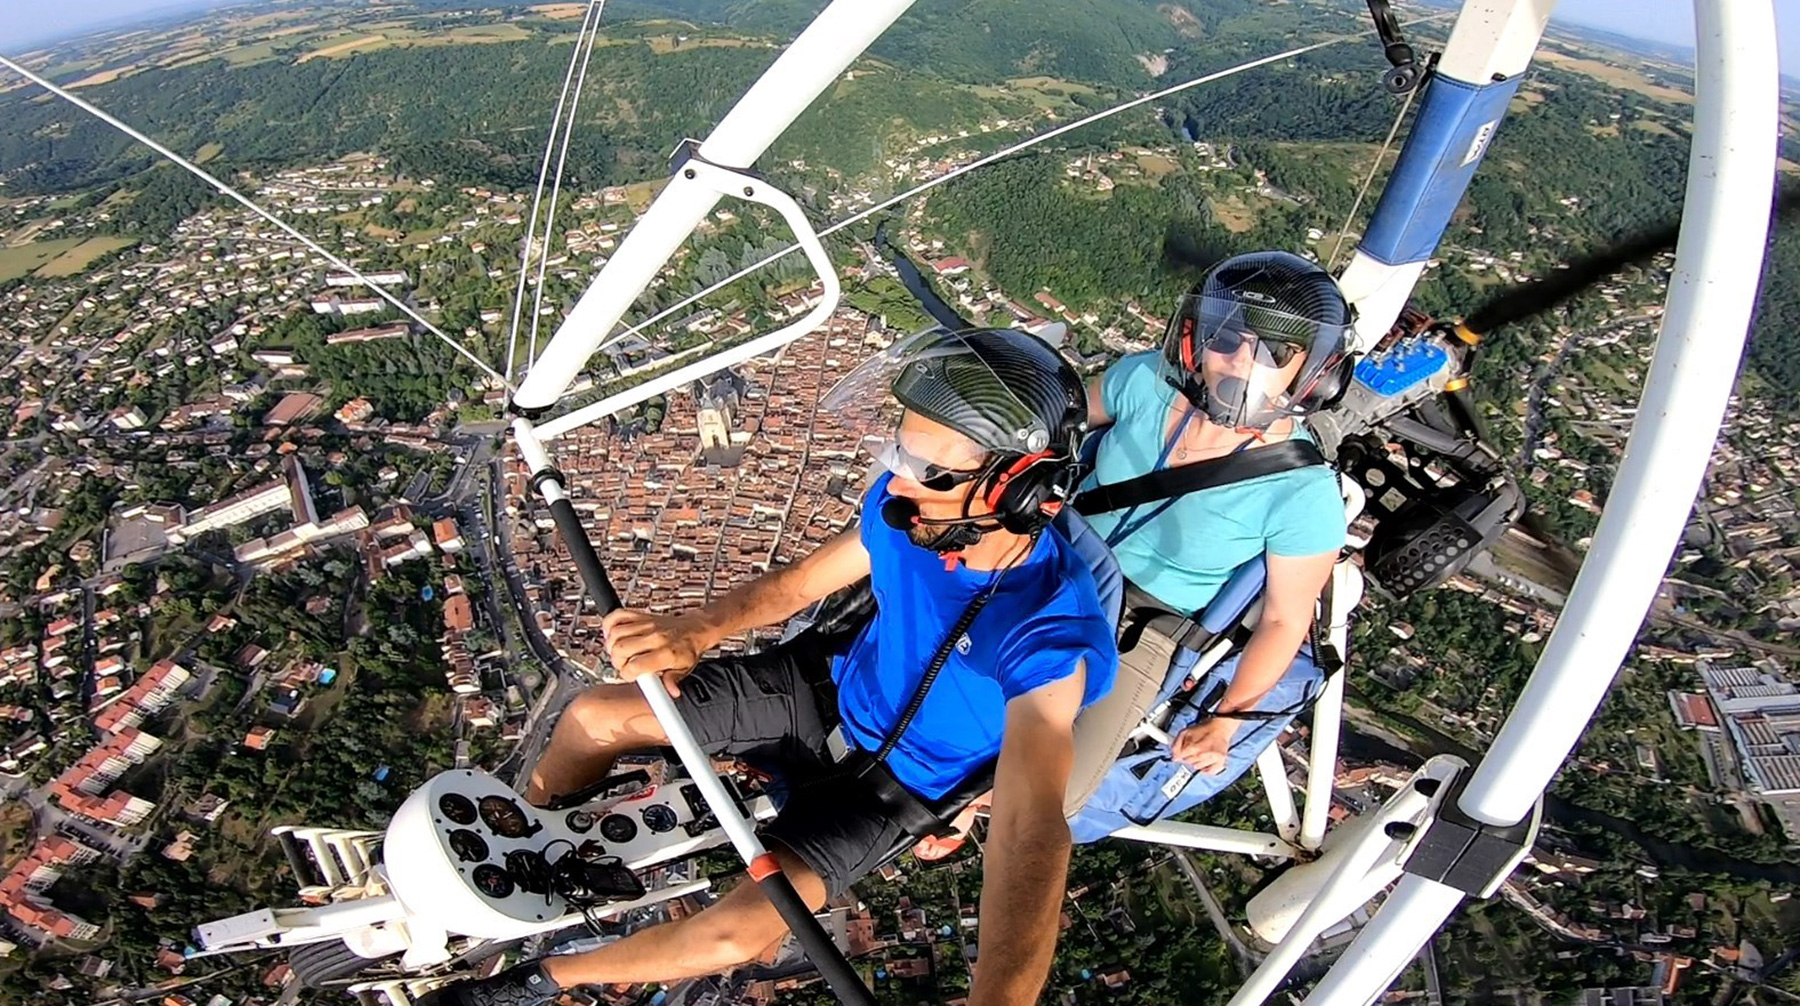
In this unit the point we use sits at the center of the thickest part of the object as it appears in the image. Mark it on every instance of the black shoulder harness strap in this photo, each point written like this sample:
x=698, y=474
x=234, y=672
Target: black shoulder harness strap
x=1208, y=474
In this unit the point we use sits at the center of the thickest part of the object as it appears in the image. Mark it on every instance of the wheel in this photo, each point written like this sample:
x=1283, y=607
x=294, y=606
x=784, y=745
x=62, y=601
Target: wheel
x=322, y=965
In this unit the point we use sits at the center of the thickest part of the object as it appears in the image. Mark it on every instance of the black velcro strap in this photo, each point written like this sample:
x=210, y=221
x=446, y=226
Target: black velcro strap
x=1211, y=473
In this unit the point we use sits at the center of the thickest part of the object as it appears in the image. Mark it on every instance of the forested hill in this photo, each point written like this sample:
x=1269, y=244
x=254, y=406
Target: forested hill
x=476, y=111
x=475, y=114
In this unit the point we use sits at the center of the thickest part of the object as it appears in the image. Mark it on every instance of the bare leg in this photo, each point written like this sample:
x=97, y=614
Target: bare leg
x=600, y=724
x=740, y=926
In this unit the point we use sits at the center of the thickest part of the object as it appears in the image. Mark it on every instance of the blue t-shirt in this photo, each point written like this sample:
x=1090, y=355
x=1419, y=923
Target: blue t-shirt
x=1044, y=618
x=1184, y=554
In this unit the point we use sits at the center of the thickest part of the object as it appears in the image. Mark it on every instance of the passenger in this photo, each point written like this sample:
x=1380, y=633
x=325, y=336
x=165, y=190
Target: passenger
x=1257, y=345
x=954, y=529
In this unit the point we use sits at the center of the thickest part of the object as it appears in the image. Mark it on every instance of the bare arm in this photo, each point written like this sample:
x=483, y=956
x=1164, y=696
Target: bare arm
x=1027, y=861
x=780, y=594
x=1097, y=416
x=640, y=643
x=1294, y=585
x=1288, y=602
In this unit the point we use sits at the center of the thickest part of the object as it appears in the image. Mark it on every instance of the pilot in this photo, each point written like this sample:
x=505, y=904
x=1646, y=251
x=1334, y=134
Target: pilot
x=966, y=579
x=1258, y=344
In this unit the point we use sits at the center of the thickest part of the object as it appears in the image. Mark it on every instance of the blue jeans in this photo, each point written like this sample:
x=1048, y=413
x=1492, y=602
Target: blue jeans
x=1151, y=786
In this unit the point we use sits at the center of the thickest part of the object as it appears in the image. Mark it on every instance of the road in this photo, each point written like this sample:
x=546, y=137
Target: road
x=1434, y=986
x=1246, y=961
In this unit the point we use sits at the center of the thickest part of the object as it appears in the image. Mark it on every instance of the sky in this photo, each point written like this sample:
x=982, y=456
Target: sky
x=25, y=22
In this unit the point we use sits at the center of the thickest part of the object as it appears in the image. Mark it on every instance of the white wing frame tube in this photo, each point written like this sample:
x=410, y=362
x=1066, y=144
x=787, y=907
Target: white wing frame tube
x=823, y=51
x=1712, y=292
x=752, y=189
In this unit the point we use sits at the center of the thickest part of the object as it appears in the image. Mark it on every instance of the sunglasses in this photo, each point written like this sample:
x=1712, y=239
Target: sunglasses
x=1271, y=352
x=897, y=459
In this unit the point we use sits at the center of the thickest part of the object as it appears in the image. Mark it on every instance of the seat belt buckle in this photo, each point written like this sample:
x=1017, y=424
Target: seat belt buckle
x=837, y=747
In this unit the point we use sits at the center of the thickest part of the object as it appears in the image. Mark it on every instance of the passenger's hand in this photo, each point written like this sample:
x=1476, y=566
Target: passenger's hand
x=640, y=643
x=1205, y=744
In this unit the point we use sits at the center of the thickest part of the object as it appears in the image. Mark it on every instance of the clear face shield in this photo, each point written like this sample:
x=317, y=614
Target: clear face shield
x=1243, y=364
x=929, y=409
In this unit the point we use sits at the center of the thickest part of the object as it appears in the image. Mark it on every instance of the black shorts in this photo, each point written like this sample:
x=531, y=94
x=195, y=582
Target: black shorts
x=774, y=709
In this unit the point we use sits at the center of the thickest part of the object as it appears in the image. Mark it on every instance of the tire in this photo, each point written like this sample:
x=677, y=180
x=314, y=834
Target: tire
x=321, y=965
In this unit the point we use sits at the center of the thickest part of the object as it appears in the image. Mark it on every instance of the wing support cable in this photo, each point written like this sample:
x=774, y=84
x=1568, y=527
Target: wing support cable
x=247, y=203
x=549, y=235
x=933, y=183
x=592, y=18
x=1369, y=179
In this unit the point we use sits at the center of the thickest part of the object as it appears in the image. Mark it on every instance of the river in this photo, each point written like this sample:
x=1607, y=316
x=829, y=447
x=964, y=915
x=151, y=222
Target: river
x=939, y=309
x=1364, y=746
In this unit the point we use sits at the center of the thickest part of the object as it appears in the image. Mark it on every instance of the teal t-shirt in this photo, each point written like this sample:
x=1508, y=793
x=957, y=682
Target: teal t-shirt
x=1184, y=554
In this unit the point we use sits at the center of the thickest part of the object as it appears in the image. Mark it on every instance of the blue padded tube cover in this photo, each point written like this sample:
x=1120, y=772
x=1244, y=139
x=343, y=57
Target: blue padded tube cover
x=1455, y=125
x=1241, y=589
x=1109, y=582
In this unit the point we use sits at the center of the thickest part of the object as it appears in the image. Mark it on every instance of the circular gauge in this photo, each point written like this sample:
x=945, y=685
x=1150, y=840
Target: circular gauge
x=504, y=817
x=457, y=808
x=529, y=868
x=658, y=817
x=579, y=821
x=493, y=881
x=617, y=828
x=468, y=846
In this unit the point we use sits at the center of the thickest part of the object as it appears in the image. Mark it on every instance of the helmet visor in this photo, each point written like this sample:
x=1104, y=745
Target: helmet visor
x=937, y=375
x=1247, y=360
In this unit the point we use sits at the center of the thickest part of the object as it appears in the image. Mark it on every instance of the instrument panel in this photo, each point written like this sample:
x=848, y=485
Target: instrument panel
x=464, y=843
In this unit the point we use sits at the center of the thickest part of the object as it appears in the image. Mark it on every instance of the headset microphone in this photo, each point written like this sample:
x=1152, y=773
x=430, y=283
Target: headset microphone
x=958, y=533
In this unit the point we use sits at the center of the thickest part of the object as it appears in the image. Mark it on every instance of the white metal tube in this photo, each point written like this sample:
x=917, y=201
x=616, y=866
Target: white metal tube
x=1272, y=768
x=724, y=180
x=1718, y=263
x=699, y=765
x=1321, y=768
x=1403, y=924
x=835, y=38
x=531, y=449
x=1359, y=878
x=825, y=49
x=739, y=829
x=1207, y=837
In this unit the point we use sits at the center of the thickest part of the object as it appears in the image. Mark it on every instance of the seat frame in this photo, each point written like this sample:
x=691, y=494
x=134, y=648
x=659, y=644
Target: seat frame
x=1299, y=830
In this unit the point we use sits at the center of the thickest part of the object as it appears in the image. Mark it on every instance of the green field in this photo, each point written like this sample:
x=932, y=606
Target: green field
x=17, y=261
x=76, y=260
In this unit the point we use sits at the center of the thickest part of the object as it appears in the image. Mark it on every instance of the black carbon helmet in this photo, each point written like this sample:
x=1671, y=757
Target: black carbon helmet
x=1287, y=303
x=1006, y=390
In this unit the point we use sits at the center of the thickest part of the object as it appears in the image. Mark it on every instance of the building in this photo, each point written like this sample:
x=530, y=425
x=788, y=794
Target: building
x=392, y=278
x=146, y=697
x=459, y=614
x=128, y=417
x=356, y=410
x=1648, y=995
x=1759, y=710
x=81, y=789
x=448, y=538
x=247, y=505
x=23, y=888
x=294, y=407
x=1693, y=712
x=375, y=334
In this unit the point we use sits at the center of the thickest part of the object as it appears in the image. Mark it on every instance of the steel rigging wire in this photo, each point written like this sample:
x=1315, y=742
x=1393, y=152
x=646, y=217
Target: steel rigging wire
x=239, y=197
x=562, y=102
x=1025, y=144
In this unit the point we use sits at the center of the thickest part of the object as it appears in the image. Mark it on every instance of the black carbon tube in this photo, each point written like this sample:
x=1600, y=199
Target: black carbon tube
x=823, y=953
x=845, y=983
